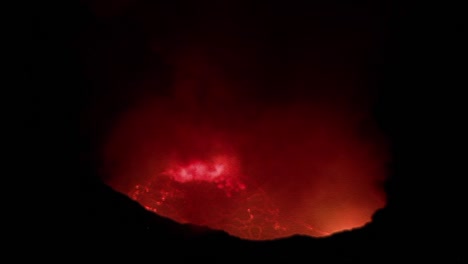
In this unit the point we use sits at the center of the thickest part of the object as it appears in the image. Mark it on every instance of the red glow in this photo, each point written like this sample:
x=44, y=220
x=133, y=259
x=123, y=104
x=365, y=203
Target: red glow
x=198, y=171
x=220, y=171
x=254, y=169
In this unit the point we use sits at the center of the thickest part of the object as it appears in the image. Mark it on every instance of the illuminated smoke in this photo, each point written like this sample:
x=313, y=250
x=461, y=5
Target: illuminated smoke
x=255, y=169
x=252, y=138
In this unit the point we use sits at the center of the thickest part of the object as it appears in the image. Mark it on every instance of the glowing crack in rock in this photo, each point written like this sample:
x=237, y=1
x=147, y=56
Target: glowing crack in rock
x=259, y=221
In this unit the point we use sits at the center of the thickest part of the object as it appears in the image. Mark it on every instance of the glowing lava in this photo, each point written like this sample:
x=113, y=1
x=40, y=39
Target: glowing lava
x=197, y=171
x=221, y=171
x=215, y=154
x=199, y=187
x=286, y=172
x=256, y=121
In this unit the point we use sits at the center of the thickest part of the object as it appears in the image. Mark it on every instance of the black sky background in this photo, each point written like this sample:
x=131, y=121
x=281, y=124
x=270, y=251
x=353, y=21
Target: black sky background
x=413, y=70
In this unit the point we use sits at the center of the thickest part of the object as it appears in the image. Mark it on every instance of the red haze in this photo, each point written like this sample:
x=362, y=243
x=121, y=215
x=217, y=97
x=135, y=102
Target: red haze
x=257, y=165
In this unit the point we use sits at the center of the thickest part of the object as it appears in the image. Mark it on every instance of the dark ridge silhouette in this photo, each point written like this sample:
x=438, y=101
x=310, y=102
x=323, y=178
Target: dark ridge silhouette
x=81, y=218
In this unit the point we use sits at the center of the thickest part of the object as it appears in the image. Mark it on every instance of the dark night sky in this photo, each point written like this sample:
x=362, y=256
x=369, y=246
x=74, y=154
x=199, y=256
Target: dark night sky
x=93, y=59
